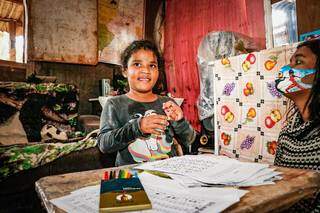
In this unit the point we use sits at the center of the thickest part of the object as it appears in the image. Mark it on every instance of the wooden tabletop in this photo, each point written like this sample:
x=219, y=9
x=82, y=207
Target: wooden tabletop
x=295, y=185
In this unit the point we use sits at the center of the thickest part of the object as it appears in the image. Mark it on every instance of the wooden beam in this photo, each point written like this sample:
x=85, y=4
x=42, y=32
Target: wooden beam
x=12, y=64
x=274, y=1
x=16, y=1
x=12, y=33
x=268, y=23
x=18, y=23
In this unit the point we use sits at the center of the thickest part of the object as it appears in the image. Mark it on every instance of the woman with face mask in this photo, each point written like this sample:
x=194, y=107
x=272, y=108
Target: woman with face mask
x=299, y=140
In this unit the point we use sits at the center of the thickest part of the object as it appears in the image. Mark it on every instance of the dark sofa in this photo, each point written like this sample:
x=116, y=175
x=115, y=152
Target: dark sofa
x=34, y=106
x=18, y=193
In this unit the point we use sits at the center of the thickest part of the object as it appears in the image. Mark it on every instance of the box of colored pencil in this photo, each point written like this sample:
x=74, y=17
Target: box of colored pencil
x=121, y=190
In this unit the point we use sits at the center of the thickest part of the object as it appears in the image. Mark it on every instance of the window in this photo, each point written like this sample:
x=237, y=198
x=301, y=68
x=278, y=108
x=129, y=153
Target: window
x=12, y=41
x=4, y=45
x=284, y=23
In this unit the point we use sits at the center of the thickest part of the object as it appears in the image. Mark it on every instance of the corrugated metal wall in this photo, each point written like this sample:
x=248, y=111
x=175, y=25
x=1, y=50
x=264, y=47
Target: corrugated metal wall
x=187, y=22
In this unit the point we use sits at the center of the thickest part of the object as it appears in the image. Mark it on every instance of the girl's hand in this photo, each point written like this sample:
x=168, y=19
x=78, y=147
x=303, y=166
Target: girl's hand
x=173, y=111
x=153, y=124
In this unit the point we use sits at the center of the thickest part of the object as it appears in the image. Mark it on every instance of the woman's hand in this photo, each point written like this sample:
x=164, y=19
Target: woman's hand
x=173, y=111
x=153, y=124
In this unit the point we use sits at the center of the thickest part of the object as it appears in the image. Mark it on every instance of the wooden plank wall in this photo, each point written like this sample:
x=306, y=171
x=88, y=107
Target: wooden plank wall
x=63, y=31
x=85, y=77
x=308, y=15
x=12, y=71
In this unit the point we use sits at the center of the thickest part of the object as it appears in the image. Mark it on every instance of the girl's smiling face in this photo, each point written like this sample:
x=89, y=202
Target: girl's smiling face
x=142, y=71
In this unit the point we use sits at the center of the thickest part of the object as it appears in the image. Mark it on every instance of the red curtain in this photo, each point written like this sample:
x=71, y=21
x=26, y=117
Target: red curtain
x=186, y=24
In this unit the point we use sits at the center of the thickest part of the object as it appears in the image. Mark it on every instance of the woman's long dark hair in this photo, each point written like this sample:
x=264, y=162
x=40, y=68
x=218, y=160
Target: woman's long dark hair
x=313, y=102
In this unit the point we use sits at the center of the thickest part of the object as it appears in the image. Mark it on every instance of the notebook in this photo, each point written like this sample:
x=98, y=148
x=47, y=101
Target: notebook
x=123, y=194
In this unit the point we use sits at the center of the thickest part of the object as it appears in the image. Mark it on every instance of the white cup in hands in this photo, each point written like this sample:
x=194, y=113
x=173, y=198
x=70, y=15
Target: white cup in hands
x=153, y=124
x=173, y=111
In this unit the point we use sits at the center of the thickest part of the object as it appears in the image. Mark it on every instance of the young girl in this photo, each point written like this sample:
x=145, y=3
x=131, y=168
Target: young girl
x=299, y=140
x=140, y=125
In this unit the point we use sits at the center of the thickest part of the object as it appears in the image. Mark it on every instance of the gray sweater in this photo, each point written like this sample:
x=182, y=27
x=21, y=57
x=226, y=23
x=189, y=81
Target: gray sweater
x=120, y=131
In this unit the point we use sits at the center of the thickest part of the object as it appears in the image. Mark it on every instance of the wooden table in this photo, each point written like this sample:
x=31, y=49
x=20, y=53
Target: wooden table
x=295, y=185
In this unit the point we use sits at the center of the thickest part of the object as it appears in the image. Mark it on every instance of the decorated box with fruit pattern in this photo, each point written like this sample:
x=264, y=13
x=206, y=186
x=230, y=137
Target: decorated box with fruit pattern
x=249, y=110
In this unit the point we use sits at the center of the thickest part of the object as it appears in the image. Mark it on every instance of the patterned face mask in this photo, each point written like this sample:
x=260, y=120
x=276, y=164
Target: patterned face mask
x=289, y=79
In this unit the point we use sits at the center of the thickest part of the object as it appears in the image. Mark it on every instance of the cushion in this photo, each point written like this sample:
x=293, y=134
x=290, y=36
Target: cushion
x=12, y=131
x=89, y=122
